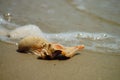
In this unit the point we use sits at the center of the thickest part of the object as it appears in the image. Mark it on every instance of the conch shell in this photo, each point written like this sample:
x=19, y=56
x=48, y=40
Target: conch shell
x=46, y=50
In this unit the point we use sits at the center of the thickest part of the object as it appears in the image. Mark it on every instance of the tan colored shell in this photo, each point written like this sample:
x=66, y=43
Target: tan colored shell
x=44, y=49
x=31, y=43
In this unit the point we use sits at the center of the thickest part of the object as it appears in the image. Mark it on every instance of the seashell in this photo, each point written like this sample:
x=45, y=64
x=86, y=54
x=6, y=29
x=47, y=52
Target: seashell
x=46, y=50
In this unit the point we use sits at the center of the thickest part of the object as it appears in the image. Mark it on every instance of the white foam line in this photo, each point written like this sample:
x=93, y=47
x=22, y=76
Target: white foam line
x=75, y=38
x=3, y=21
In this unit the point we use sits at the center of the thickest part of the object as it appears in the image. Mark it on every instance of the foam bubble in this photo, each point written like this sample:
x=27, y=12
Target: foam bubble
x=23, y=31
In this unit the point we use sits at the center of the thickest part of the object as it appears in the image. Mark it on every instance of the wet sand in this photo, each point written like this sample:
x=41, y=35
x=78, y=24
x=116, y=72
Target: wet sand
x=86, y=66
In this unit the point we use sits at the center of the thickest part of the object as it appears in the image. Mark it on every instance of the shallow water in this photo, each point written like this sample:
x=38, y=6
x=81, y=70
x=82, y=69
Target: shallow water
x=94, y=23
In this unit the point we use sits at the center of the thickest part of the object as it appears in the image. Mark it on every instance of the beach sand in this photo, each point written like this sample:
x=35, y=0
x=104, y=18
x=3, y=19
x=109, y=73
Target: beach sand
x=57, y=16
x=86, y=66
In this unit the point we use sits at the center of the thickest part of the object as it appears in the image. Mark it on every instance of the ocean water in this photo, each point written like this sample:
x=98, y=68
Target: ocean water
x=70, y=22
x=98, y=42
